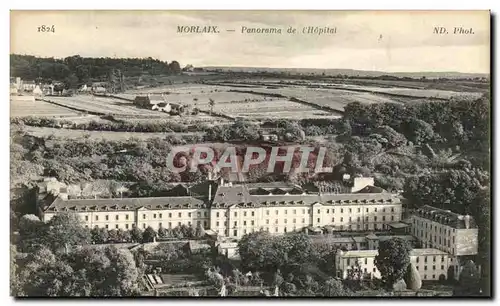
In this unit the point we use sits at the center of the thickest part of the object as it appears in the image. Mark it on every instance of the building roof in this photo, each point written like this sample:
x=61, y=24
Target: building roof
x=398, y=225
x=373, y=253
x=125, y=204
x=224, y=196
x=445, y=217
x=239, y=195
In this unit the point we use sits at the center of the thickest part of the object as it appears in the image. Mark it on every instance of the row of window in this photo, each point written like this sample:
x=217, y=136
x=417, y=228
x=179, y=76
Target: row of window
x=304, y=211
x=117, y=217
x=433, y=259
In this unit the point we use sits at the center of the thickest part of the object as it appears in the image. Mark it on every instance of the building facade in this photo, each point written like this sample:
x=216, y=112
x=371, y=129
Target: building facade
x=235, y=210
x=446, y=231
x=431, y=264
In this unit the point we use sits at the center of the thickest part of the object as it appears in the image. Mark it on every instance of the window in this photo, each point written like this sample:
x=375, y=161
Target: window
x=375, y=218
x=97, y=218
x=374, y=269
x=86, y=218
x=198, y=214
x=392, y=209
x=276, y=221
x=294, y=221
x=235, y=214
x=253, y=222
x=425, y=268
x=341, y=210
x=286, y=211
x=244, y=222
x=198, y=223
x=392, y=218
x=160, y=224
x=170, y=215
x=225, y=214
x=319, y=220
x=434, y=258
x=303, y=220
x=154, y=216
x=285, y=229
x=276, y=211
x=359, y=219
x=244, y=214
x=189, y=215
x=383, y=209
x=417, y=267
x=319, y=211
x=366, y=261
x=359, y=209
x=107, y=217
x=225, y=223
x=217, y=223
x=350, y=219
x=375, y=209
x=235, y=223
x=144, y=225
x=418, y=259
x=367, y=210
x=383, y=218
x=116, y=226
x=287, y=220
x=253, y=214
x=333, y=219
x=126, y=217
x=217, y=215
x=350, y=210
x=180, y=215
x=294, y=211
x=86, y=226
x=303, y=211
x=442, y=267
x=235, y=233
x=276, y=230
x=244, y=232
x=433, y=267
x=161, y=216
x=267, y=212
x=341, y=219
x=333, y=211
x=178, y=223
x=267, y=221
x=433, y=275
x=425, y=276
x=126, y=226
x=327, y=211
x=442, y=259
x=169, y=224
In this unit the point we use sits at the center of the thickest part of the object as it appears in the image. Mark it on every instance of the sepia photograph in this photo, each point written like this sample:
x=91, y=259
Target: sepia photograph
x=250, y=154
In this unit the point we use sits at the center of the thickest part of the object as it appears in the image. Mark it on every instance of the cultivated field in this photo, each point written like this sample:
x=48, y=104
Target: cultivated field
x=108, y=135
x=39, y=109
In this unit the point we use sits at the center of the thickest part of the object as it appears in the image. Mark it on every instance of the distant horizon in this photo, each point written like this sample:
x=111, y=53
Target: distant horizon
x=259, y=67
x=389, y=41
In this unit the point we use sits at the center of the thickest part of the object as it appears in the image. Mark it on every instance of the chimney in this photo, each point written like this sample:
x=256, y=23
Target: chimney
x=210, y=191
x=467, y=221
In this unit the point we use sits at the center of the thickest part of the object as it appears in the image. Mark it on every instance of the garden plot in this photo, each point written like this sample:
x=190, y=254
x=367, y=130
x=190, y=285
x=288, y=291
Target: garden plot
x=39, y=109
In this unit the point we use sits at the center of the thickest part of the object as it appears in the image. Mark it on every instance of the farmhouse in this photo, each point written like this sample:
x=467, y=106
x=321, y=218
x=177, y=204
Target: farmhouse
x=149, y=100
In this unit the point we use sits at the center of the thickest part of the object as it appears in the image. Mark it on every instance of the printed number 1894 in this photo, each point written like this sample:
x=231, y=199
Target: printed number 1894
x=47, y=28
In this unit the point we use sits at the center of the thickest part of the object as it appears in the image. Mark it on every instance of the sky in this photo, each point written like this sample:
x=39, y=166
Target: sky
x=392, y=41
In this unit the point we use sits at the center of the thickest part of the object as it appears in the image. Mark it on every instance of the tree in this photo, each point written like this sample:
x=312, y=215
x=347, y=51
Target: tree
x=211, y=102
x=162, y=232
x=113, y=235
x=149, y=235
x=334, y=287
x=65, y=231
x=200, y=232
x=412, y=278
x=99, y=235
x=136, y=235
x=175, y=67
x=392, y=260
x=31, y=230
x=468, y=280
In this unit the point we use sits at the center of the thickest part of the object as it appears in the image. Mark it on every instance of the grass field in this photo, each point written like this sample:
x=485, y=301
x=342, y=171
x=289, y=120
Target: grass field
x=67, y=133
x=39, y=109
